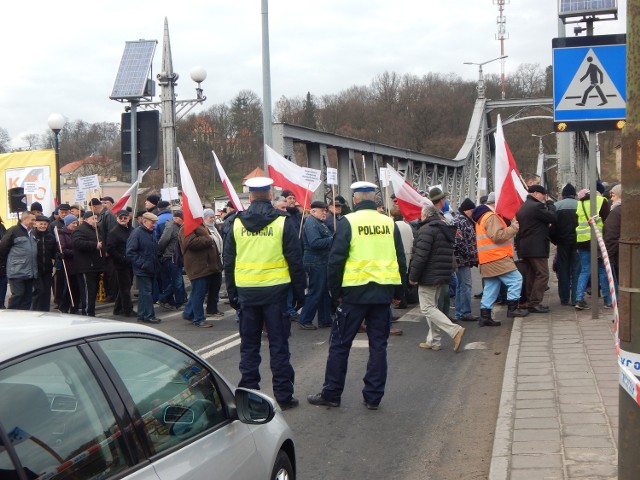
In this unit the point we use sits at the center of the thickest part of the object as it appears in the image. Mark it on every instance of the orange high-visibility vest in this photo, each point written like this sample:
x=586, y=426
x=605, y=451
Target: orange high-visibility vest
x=488, y=251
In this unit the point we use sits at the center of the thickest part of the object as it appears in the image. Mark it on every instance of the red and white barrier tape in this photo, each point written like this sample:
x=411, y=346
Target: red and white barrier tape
x=627, y=378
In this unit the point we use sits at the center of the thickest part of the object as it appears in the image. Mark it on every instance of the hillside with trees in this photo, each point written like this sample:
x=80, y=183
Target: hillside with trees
x=428, y=114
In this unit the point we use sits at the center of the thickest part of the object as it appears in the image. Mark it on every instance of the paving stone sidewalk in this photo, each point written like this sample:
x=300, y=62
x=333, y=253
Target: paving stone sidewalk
x=558, y=415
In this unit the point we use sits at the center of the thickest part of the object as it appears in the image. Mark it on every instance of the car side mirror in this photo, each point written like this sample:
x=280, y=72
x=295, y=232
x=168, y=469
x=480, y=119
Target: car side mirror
x=253, y=407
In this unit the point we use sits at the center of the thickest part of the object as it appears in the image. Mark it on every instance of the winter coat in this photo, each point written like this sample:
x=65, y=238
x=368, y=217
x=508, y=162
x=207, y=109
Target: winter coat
x=466, y=248
x=611, y=234
x=433, y=252
x=564, y=231
x=163, y=217
x=117, y=246
x=87, y=257
x=535, y=218
x=169, y=240
x=199, y=254
x=106, y=222
x=142, y=252
x=68, y=254
x=260, y=214
x=47, y=249
x=316, y=241
x=18, y=254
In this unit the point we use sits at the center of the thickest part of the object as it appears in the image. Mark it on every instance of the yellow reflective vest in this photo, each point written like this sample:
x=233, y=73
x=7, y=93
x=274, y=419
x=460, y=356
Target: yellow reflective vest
x=372, y=251
x=260, y=260
x=583, y=210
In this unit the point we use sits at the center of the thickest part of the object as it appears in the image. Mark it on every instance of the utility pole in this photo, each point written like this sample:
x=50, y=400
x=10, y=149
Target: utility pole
x=629, y=410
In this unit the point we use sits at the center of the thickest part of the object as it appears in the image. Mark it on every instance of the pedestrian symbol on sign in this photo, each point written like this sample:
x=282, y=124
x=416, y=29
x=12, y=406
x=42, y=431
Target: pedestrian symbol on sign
x=600, y=87
x=595, y=78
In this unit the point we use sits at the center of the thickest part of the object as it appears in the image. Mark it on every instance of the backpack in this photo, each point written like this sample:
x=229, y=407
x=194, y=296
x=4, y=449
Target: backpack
x=177, y=257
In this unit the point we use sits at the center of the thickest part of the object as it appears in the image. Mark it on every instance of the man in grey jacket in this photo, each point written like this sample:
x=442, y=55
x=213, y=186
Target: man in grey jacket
x=18, y=258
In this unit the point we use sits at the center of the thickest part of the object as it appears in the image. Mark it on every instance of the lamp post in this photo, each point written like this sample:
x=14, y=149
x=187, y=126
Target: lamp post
x=480, y=87
x=56, y=123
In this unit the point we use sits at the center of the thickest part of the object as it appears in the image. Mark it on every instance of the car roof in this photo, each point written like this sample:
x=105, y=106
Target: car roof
x=25, y=331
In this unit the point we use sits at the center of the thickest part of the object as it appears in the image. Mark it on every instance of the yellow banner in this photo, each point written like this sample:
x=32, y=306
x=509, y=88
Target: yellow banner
x=35, y=172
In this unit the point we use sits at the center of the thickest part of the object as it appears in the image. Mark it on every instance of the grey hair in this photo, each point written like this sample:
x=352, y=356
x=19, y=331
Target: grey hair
x=429, y=211
x=360, y=196
x=277, y=200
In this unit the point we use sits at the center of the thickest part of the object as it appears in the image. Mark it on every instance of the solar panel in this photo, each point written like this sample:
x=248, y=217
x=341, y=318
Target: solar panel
x=577, y=8
x=134, y=69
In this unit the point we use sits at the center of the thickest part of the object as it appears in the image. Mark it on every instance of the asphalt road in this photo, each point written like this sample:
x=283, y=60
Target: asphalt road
x=436, y=420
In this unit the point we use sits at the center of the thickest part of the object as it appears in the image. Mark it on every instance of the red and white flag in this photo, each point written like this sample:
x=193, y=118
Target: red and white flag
x=228, y=186
x=410, y=202
x=122, y=203
x=289, y=176
x=191, y=204
x=509, y=188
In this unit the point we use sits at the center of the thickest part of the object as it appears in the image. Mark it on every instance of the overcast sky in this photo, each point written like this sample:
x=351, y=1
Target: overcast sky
x=62, y=57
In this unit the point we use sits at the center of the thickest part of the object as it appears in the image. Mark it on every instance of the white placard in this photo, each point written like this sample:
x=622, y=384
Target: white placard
x=89, y=182
x=332, y=176
x=168, y=194
x=80, y=196
x=384, y=177
x=311, y=177
x=30, y=188
x=482, y=183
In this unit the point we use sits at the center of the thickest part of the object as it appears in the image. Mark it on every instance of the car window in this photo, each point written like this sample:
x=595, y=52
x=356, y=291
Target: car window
x=175, y=395
x=58, y=420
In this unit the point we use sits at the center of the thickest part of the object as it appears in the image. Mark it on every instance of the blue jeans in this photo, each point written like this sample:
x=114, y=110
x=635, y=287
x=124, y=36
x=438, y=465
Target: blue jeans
x=194, y=309
x=463, y=292
x=512, y=280
x=173, y=284
x=318, y=298
x=568, y=269
x=145, y=299
x=585, y=275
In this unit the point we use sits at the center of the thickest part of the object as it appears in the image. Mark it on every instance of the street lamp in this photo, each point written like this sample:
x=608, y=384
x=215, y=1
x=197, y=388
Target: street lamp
x=480, y=87
x=56, y=123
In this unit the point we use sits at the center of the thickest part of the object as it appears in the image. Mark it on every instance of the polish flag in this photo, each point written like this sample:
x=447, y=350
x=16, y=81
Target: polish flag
x=191, y=204
x=289, y=176
x=509, y=188
x=410, y=202
x=228, y=186
x=122, y=203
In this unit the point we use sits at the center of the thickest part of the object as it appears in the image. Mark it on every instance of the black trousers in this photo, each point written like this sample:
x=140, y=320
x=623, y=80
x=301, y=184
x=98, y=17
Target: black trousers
x=69, y=291
x=41, y=301
x=123, y=297
x=88, y=291
x=21, y=293
x=213, y=294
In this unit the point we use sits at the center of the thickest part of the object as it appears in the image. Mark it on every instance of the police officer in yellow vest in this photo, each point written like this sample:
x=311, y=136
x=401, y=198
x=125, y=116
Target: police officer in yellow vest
x=262, y=258
x=365, y=266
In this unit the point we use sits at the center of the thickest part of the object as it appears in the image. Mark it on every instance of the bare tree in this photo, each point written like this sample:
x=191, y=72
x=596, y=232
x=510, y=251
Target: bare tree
x=5, y=141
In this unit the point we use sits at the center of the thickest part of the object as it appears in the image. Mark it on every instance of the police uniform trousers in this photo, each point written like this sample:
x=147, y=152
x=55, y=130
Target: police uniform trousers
x=349, y=316
x=276, y=318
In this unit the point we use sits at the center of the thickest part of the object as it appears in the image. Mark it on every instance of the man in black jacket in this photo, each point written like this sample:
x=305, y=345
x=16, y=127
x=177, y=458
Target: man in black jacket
x=535, y=216
x=262, y=259
x=88, y=262
x=46, y=253
x=568, y=265
x=431, y=268
x=117, y=248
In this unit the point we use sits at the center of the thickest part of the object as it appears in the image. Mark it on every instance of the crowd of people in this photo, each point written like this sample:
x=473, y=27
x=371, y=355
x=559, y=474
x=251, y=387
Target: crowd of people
x=344, y=269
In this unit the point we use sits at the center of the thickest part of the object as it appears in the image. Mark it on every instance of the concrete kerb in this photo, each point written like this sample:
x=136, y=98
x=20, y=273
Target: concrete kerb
x=501, y=456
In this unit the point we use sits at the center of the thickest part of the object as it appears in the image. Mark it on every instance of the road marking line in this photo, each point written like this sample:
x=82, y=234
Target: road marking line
x=220, y=349
x=475, y=346
x=202, y=350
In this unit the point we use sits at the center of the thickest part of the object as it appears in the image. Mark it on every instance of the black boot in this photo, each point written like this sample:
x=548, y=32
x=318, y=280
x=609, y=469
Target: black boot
x=514, y=311
x=486, y=320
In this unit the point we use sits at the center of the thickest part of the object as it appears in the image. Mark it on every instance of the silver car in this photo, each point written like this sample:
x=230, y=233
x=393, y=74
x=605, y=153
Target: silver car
x=88, y=398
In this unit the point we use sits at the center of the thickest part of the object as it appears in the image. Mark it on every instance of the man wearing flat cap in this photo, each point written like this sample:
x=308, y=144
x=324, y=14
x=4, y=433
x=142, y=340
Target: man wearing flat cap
x=18, y=260
x=564, y=233
x=88, y=261
x=106, y=221
x=262, y=259
x=316, y=241
x=364, y=271
x=535, y=216
x=117, y=248
x=46, y=253
x=142, y=251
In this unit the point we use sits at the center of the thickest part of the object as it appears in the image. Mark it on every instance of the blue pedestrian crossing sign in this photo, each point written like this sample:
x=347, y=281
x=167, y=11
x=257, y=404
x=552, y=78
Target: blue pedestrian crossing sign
x=589, y=83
